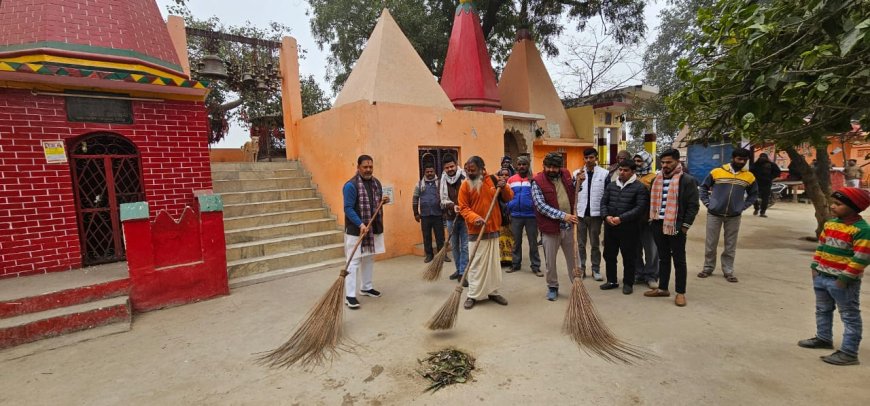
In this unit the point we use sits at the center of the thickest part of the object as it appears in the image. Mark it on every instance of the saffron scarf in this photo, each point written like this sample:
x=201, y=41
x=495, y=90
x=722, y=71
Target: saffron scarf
x=671, y=205
x=366, y=206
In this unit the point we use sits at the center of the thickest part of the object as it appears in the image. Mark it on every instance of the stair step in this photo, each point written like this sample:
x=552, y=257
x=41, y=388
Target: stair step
x=248, y=209
x=236, y=223
x=256, y=174
x=293, y=259
x=253, y=166
x=277, y=230
x=53, y=343
x=278, y=245
x=37, y=293
x=35, y=326
x=221, y=186
x=268, y=195
x=283, y=273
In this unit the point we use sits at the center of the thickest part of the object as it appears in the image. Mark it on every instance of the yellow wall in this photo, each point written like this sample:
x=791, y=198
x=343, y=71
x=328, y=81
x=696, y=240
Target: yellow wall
x=330, y=142
x=582, y=120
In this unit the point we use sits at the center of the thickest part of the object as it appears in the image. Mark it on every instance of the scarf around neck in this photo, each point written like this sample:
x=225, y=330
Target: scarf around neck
x=366, y=208
x=671, y=205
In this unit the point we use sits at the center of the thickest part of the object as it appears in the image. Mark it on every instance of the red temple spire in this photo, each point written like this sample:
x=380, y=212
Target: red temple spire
x=468, y=78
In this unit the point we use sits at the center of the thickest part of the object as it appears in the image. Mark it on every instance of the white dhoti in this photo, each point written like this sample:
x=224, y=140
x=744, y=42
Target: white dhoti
x=484, y=271
x=362, y=265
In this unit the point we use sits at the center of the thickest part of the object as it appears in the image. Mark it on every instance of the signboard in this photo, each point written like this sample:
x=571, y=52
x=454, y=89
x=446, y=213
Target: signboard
x=92, y=110
x=55, y=152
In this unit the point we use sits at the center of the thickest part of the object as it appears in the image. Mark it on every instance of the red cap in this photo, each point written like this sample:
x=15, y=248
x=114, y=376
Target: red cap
x=853, y=197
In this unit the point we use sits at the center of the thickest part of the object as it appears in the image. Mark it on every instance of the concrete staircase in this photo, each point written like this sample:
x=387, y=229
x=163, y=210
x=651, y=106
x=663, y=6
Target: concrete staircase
x=90, y=302
x=275, y=222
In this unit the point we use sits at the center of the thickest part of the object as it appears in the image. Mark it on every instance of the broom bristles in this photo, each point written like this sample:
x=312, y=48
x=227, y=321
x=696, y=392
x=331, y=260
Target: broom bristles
x=586, y=328
x=446, y=315
x=318, y=338
x=433, y=272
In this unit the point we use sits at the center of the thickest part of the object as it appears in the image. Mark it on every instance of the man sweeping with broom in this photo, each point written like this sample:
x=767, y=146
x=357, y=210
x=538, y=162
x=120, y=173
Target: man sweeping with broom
x=362, y=193
x=475, y=197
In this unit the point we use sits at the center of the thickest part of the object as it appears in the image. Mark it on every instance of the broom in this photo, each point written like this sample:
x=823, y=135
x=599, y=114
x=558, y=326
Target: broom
x=320, y=335
x=587, y=329
x=446, y=315
x=433, y=271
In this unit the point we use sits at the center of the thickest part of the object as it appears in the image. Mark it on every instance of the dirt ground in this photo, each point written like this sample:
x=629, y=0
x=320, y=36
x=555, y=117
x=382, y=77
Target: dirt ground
x=732, y=344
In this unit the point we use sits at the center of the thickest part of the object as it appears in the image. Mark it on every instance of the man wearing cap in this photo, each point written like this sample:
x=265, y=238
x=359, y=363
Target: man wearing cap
x=853, y=173
x=837, y=268
x=522, y=211
x=553, y=193
x=765, y=172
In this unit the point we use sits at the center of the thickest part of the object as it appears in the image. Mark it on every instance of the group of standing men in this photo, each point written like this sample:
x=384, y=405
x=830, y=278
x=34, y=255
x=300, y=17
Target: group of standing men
x=645, y=217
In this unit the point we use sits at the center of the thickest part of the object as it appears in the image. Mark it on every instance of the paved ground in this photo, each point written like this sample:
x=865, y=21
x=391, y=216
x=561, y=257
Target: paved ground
x=732, y=344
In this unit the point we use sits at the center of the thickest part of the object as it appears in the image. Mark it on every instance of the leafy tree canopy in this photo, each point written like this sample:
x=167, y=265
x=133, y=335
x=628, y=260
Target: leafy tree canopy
x=783, y=71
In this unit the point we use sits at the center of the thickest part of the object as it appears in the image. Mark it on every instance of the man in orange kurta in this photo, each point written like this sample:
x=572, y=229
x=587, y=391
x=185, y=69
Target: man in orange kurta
x=475, y=198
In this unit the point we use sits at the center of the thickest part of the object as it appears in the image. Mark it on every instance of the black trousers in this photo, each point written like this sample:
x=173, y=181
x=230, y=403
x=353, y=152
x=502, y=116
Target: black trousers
x=624, y=239
x=671, y=247
x=763, y=195
x=430, y=225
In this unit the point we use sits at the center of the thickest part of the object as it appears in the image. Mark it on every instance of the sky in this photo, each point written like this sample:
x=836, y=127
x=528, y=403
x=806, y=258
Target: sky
x=293, y=14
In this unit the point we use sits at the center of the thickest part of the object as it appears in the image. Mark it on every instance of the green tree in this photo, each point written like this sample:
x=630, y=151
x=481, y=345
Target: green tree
x=227, y=102
x=343, y=26
x=780, y=71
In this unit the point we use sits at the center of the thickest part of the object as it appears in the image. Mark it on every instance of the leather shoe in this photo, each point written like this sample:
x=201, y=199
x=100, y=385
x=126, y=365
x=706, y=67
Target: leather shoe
x=469, y=303
x=454, y=276
x=627, y=289
x=498, y=299
x=816, y=342
x=680, y=300
x=657, y=293
x=428, y=259
x=609, y=285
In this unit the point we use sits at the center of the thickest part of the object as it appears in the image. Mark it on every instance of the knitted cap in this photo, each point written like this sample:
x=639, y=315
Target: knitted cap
x=553, y=159
x=856, y=198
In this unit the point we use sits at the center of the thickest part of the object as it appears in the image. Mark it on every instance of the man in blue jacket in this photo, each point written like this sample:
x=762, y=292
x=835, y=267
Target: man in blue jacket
x=522, y=210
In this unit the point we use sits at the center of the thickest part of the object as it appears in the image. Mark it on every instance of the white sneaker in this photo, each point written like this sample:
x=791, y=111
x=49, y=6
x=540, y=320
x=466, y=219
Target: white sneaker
x=597, y=276
x=653, y=284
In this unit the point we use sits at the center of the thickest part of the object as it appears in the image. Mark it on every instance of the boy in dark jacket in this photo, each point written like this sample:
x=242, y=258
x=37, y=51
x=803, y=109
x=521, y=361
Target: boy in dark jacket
x=621, y=207
x=522, y=210
x=672, y=209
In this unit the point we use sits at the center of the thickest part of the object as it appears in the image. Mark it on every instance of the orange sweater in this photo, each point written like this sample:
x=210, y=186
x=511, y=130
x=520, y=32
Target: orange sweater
x=473, y=205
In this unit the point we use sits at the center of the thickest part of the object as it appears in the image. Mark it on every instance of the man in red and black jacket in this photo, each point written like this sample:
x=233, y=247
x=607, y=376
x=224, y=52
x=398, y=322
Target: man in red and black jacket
x=553, y=193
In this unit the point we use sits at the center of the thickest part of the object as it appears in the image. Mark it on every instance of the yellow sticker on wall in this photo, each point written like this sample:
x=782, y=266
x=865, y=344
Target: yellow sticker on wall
x=55, y=152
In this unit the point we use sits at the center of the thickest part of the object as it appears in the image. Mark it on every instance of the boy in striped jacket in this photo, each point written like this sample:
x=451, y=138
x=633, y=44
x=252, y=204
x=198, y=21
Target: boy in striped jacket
x=837, y=268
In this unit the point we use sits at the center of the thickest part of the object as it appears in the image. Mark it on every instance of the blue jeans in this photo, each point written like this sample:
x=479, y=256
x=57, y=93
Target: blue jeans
x=829, y=297
x=459, y=243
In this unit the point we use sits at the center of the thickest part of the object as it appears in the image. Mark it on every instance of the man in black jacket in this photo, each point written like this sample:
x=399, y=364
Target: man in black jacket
x=672, y=209
x=765, y=171
x=621, y=208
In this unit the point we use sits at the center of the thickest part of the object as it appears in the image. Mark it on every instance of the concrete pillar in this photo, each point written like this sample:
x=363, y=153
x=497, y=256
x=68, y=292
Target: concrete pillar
x=613, y=140
x=291, y=94
x=601, y=137
x=178, y=35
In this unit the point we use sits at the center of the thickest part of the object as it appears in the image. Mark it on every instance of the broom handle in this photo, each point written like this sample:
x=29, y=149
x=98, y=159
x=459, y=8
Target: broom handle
x=577, y=272
x=480, y=234
x=359, y=241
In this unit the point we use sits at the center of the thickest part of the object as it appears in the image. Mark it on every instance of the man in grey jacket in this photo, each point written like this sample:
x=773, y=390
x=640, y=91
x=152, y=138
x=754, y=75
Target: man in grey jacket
x=726, y=192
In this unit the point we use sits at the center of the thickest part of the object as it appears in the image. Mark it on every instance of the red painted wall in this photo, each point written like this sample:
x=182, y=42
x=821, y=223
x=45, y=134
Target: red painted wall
x=38, y=231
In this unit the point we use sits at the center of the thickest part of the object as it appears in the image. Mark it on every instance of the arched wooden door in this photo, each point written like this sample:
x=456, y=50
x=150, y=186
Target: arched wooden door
x=107, y=171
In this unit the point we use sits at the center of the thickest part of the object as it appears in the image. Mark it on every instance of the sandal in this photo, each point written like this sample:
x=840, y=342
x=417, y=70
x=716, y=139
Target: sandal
x=730, y=278
x=703, y=274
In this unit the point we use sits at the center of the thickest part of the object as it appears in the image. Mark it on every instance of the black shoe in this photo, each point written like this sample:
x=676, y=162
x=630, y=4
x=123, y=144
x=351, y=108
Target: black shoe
x=762, y=215
x=627, y=289
x=465, y=283
x=841, y=358
x=428, y=259
x=816, y=342
x=609, y=285
x=371, y=292
x=351, y=302
x=454, y=276
x=755, y=213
